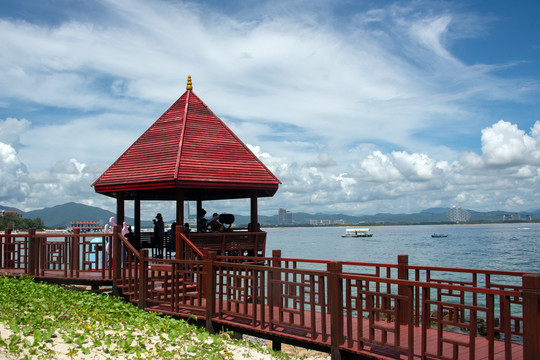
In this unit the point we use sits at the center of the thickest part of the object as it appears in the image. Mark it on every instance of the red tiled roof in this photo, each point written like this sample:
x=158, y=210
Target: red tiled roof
x=188, y=147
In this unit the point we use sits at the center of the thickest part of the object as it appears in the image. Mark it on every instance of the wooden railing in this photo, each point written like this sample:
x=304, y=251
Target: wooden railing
x=71, y=255
x=431, y=312
x=234, y=243
x=345, y=311
x=237, y=243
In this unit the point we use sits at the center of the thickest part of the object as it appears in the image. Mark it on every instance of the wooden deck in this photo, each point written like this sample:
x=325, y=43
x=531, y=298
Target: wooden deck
x=370, y=311
x=282, y=333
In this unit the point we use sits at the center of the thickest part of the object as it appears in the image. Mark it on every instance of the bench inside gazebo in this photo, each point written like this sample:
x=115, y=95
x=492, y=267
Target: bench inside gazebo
x=189, y=154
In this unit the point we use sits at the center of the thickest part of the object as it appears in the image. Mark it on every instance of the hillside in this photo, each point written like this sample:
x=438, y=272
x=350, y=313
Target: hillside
x=63, y=215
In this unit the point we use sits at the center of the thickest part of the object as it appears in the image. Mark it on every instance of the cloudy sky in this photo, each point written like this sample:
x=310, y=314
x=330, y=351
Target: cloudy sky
x=357, y=107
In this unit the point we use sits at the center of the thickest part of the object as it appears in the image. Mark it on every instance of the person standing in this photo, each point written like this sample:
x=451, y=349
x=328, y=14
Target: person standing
x=159, y=234
x=130, y=236
x=171, y=239
x=201, y=221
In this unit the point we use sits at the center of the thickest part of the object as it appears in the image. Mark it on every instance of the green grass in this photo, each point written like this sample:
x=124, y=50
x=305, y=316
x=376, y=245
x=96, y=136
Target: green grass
x=40, y=316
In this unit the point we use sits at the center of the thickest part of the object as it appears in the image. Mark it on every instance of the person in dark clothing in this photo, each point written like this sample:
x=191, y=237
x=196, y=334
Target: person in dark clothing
x=187, y=229
x=159, y=234
x=171, y=238
x=130, y=236
x=213, y=224
x=201, y=221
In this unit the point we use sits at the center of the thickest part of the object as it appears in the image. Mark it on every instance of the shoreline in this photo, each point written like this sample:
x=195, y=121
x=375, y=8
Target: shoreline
x=307, y=226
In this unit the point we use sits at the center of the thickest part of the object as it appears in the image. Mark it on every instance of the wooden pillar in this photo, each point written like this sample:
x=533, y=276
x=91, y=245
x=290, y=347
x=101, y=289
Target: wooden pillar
x=137, y=217
x=179, y=207
x=8, y=245
x=143, y=281
x=209, y=285
x=199, y=208
x=275, y=280
x=33, y=255
x=274, y=291
x=179, y=245
x=403, y=274
x=335, y=308
x=74, y=263
x=116, y=257
x=120, y=208
x=531, y=316
x=254, y=219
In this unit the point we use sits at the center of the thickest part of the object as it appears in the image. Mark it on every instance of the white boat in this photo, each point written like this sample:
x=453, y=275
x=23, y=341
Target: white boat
x=357, y=232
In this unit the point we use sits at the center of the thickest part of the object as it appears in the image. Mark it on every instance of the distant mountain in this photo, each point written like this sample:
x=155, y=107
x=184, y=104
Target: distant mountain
x=63, y=215
x=2, y=207
x=437, y=210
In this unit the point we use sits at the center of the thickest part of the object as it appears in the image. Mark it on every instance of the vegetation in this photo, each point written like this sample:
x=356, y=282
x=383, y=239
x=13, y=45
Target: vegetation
x=12, y=221
x=42, y=316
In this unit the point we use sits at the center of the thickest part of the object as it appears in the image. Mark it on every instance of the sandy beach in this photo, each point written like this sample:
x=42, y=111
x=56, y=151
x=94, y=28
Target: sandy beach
x=60, y=350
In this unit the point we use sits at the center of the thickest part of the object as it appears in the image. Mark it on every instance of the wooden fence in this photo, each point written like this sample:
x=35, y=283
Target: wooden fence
x=384, y=310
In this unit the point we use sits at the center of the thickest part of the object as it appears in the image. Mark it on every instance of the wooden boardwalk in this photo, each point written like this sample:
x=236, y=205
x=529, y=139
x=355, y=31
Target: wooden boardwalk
x=279, y=333
x=368, y=311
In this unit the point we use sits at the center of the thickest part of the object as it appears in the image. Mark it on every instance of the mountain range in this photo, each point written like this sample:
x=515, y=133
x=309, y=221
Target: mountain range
x=63, y=215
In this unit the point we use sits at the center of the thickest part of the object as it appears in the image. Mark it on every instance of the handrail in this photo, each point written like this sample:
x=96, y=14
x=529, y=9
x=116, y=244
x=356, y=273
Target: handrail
x=191, y=245
x=421, y=284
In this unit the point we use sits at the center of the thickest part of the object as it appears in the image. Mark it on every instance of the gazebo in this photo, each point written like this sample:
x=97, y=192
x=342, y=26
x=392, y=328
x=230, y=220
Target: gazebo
x=188, y=154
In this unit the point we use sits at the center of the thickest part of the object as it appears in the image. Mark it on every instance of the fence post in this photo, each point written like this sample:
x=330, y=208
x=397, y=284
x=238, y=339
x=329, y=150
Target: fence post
x=32, y=252
x=210, y=289
x=275, y=277
x=335, y=308
x=205, y=252
x=143, y=278
x=74, y=263
x=179, y=243
x=403, y=274
x=116, y=257
x=531, y=316
x=274, y=291
x=8, y=241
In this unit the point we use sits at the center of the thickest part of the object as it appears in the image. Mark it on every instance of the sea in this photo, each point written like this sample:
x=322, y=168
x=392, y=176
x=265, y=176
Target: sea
x=506, y=247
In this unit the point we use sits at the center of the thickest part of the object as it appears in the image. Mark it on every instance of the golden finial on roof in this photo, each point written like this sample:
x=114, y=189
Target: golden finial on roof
x=189, y=86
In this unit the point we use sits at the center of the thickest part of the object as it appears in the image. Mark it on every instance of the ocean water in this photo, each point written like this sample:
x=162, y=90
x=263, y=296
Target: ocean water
x=507, y=247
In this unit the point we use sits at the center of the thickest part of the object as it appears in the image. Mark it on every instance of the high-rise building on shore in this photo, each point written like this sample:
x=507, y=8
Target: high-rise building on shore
x=285, y=217
x=458, y=215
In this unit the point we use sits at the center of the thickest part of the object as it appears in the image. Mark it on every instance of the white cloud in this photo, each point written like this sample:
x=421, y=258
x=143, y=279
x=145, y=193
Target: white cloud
x=12, y=173
x=356, y=114
x=505, y=144
x=379, y=167
x=430, y=33
x=11, y=130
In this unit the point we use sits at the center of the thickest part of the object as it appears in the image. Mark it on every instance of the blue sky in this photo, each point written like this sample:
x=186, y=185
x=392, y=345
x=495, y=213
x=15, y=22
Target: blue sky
x=358, y=107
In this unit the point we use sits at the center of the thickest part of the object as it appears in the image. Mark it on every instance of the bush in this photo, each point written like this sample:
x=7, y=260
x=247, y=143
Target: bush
x=12, y=221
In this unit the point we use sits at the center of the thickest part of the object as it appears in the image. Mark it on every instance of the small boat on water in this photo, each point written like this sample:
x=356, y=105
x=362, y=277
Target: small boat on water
x=439, y=235
x=357, y=232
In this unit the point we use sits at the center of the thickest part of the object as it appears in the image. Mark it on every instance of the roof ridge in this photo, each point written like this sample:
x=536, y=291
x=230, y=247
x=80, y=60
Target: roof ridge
x=183, y=133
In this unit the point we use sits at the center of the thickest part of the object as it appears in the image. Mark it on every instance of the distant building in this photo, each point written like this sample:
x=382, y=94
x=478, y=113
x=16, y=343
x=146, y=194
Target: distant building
x=339, y=222
x=285, y=217
x=85, y=226
x=6, y=212
x=458, y=215
x=186, y=210
x=516, y=217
